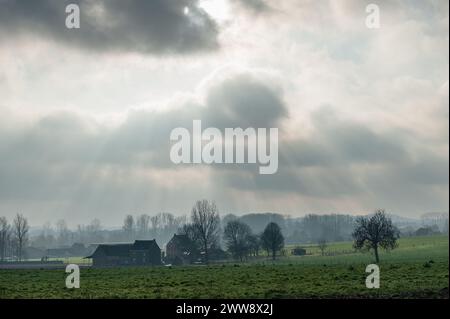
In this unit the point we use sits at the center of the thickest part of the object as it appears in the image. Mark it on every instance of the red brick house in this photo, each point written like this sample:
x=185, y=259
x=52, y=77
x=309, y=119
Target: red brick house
x=181, y=250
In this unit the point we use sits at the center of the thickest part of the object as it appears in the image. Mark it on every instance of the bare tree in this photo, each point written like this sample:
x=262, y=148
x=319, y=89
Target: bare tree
x=375, y=232
x=94, y=230
x=45, y=238
x=20, y=232
x=128, y=227
x=81, y=234
x=63, y=233
x=155, y=222
x=205, y=220
x=322, y=244
x=4, y=237
x=142, y=224
x=189, y=231
x=167, y=220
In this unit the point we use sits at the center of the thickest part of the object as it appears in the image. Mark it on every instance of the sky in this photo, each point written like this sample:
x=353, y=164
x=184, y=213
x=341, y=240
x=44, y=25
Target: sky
x=86, y=114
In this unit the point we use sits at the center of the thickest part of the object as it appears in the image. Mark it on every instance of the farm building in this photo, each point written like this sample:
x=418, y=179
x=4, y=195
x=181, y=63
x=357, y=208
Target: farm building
x=141, y=252
x=181, y=250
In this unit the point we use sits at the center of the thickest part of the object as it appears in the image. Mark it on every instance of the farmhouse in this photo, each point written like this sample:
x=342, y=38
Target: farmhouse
x=181, y=250
x=141, y=252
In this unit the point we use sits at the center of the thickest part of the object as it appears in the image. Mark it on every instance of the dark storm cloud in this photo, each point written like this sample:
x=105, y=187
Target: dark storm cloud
x=45, y=160
x=241, y=101
x=244, y=102
x=64, y=157
x=257, y=6
x=156, y=26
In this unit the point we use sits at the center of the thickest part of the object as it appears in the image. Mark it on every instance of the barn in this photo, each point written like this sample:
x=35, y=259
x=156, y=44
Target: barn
x=139, y=253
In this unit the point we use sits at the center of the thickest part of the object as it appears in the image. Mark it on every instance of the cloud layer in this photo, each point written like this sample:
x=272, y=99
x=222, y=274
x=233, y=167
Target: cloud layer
x=72, y=161
x=157, y=26
x=362, y=113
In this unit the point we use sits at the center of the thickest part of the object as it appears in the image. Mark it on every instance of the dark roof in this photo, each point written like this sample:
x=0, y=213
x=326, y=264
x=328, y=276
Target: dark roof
x=144, y=244
x=180, y=240
x=123, y=250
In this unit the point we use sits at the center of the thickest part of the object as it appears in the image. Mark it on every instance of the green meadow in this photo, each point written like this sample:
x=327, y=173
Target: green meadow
x=418, y=268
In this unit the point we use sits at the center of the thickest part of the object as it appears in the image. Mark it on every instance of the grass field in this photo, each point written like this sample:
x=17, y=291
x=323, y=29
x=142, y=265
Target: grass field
x=75, y=260
x=417, y=269
x=411, y=249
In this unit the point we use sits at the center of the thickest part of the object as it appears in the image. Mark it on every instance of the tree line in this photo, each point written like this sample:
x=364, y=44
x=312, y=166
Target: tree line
x=14, y=237
x=370, y=233
x=204, y=231
x=242, y=237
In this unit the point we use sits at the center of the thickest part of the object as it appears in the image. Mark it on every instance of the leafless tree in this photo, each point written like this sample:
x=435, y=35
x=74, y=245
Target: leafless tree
x=63, y=232
x=155, y=225
x=164, y=225
x=20, y=232
x=189, y=231
x=205, y=220
x=5, y=233
x=45, y=238
x=322, y=244
x=142, y=224
x=128, y=227
x=94, y=230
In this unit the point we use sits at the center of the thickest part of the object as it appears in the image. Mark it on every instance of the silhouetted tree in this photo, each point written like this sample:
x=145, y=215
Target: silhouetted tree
x=63, y=232
x=322, y=244
x=45, y=238
x=254, y=244
x=128, y=227
x=4, y=237
x=205, y=222
x=272, y=239
x=164, y=225
x=94, y=230
x=374, y=232
x=236, y=235
x=142, y=225
x=20, y=232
